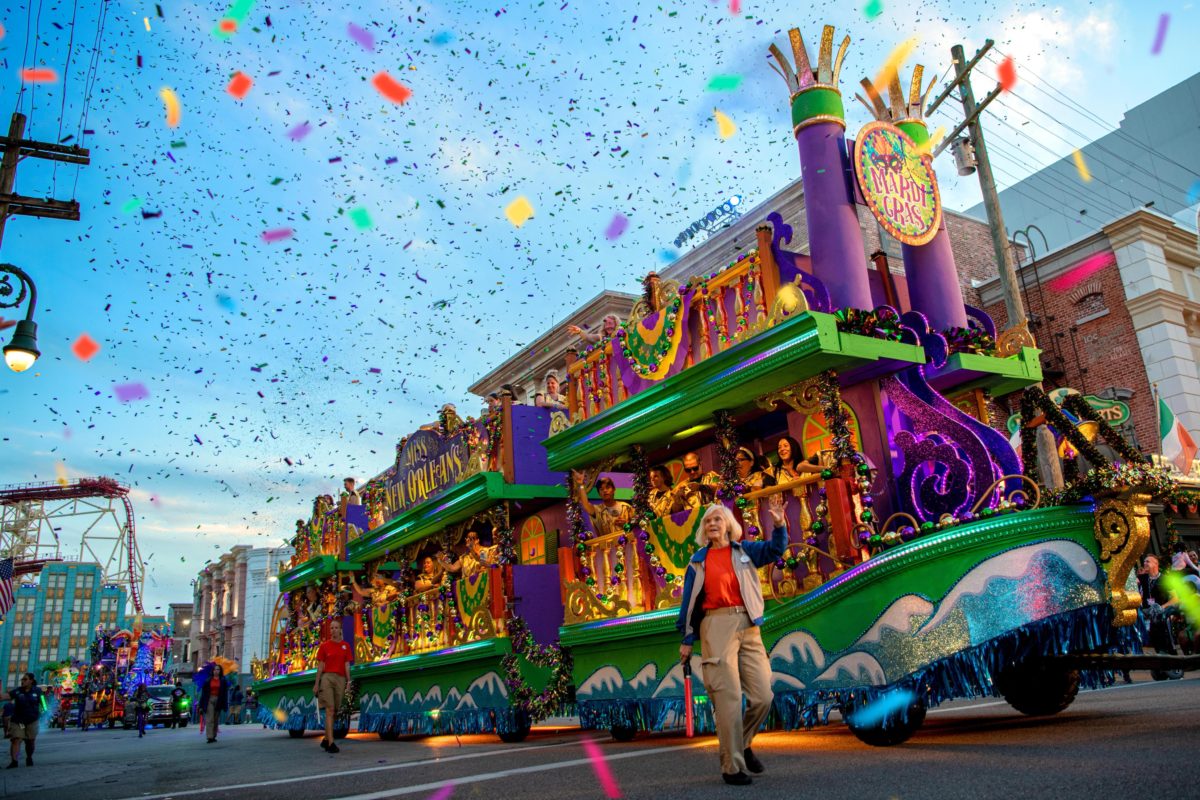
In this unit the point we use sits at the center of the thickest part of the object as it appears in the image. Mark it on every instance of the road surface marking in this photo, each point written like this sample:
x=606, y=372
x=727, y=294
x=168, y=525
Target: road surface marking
x=320, y=776
x=505, y=773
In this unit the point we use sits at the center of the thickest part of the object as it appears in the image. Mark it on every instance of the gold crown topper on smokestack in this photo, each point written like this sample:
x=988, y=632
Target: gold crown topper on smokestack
x=897, y=111
x=814, y=94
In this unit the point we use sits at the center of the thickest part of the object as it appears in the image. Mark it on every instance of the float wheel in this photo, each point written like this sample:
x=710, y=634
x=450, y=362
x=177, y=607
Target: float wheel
x=623, y=733
x=389, y=736
x=897, y=726
x=296, y=733
x=1038, y=689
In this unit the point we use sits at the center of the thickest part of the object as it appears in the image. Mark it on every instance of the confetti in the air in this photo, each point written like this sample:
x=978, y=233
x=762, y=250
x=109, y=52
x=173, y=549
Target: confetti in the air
x=724, y=83
x=174, y=109
x=300, y=131
x=1081, y=166
x=39, y=75
x=361, y=218
x=131, y=205
x=128, y=392
x=608, y=783
x=277, y=235
x=233, y=18
x=894, y=60
x=1007, y=72
x=881, y=707
x=616, y=227
x=239, y=85
x=85, y=347
x=391, y=88
x=1193, y=195
x=873, y=9
x=725, y=126
x=1160, y=35
x=60, y=474
x=443, y=793
x=519, y=211
x=362, y=36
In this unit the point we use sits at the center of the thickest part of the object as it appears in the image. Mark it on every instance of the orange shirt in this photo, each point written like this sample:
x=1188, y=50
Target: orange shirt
x=721, y=588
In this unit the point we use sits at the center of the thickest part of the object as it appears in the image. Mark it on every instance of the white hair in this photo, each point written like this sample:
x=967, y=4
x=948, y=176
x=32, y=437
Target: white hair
x=732, y=526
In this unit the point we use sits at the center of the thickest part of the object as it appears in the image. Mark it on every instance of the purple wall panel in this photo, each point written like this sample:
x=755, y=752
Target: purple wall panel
x=538, y=600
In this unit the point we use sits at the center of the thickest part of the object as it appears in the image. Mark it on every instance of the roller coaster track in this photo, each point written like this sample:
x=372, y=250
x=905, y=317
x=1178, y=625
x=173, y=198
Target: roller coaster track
x=84, y=488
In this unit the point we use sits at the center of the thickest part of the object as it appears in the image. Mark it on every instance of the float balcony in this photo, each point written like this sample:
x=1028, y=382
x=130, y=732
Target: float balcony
x=459, y=502
x=314, y=570
x=683, y=404
x=999, y=376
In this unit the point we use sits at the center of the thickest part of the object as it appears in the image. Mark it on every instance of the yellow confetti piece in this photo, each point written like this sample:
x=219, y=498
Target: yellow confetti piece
x=147, y=21
x=60, y=474
x=892, y=65
x=1081, y=165
x=725, y=125
x=519, y=211
x=174, y=109
x=280, y=715
x=932, y=143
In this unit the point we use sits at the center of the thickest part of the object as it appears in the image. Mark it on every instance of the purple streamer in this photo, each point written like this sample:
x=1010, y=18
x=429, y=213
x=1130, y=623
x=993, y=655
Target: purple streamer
x=362, y=36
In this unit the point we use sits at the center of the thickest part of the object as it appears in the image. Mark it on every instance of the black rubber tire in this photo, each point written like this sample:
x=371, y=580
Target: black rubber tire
x=390, y=736
x=296, y=733
x=1037, y=689
x=514, y=736
x=623, y=733
x=1166, y=674
x=341, y=733
x=183, y=724
x=896, y=728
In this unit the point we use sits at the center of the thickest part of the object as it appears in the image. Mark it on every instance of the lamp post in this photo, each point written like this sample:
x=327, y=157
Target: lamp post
x=22, y=351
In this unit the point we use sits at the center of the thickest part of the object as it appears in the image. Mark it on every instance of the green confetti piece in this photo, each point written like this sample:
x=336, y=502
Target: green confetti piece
x=361, y=218
x=873, y=9
x=1189, y=601
x=131, y=205
x=726, y=83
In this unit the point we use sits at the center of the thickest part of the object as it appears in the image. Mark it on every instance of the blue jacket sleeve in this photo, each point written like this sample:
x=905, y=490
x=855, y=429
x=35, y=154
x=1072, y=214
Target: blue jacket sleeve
x=765, y=552
x=681, y=621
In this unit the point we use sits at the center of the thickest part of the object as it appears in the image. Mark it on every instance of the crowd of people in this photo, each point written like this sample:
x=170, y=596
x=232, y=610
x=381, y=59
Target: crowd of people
x=1163, y=600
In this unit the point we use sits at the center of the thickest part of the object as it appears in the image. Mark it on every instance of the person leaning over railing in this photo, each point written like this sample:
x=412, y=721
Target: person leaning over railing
x=723, y=604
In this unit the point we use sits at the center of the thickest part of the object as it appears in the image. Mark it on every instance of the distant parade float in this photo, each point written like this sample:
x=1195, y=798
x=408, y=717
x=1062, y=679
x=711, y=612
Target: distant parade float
x=530, y=564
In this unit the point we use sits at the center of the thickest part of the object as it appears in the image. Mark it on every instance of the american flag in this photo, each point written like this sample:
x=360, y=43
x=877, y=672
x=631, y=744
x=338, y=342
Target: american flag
x=6, y=586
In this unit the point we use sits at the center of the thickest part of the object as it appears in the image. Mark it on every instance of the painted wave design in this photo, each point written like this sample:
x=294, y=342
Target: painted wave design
x=486, y=691
x=1006, y=591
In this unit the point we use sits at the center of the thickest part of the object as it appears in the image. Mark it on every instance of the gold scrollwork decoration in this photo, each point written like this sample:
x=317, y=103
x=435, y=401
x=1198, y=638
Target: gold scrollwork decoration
x=1122, y=528
x=1011, y=340
x=583, y=605
x=481, y=626
x=789, y=301
x=804, y=397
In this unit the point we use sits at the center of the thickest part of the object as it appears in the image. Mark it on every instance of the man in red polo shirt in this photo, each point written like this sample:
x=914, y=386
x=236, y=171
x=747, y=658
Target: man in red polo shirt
x=333, y=670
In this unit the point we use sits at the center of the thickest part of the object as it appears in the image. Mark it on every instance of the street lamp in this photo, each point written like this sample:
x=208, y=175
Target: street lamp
x=22, y=351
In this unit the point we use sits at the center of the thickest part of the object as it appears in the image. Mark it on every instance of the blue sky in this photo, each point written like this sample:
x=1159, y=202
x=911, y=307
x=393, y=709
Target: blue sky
x=325, y=348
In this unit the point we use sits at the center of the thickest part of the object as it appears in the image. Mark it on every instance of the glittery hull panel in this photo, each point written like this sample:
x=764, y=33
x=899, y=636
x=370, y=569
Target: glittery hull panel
x=936, y=612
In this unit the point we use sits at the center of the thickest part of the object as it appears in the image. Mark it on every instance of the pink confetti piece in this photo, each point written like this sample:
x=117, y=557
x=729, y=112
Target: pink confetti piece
x=1161, y=36
x=607, y=782
x=362, y=36
x=128, y=392
x=300, y=131
x=1080, y=272
x=277, y=235
x=443, y=793
x=615, y=228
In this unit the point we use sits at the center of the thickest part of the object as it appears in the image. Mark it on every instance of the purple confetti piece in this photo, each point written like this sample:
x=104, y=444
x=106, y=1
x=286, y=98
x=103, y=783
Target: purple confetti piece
x=127, y=392
x=277, y=235
x=300, y=131
x=443, y=793
x=1161, y=35
x=615, y=228
x=362, y=36
x=375, y=370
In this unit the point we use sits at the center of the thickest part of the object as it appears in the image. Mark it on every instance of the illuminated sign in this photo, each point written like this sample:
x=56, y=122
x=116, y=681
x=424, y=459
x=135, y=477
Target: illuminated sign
x=1114, y=412
x=428, y=464
x=897, y=183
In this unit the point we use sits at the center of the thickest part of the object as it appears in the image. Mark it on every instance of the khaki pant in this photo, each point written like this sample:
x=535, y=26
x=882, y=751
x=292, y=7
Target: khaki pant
x=212, y=719
x=331, y=691
x=735, y=662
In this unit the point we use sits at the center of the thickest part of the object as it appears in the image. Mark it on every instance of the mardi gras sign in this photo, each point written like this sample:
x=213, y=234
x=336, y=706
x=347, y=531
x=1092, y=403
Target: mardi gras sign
x=897, y=183
x=428, y=464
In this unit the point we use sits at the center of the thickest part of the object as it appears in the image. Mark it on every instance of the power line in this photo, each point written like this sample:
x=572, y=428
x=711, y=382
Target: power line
x=62, y=110
x=1095, y=143
x=1087, y=113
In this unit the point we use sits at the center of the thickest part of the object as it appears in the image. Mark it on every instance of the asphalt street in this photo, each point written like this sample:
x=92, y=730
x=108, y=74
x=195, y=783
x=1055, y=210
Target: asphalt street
x=1123, y=741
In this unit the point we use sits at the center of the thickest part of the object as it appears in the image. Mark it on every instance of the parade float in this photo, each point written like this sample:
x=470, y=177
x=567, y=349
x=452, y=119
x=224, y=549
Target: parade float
x=443, y=579
x=924, y=563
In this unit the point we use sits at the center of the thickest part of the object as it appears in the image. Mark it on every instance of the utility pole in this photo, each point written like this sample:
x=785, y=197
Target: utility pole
x=1013, y=305
x=15, y=147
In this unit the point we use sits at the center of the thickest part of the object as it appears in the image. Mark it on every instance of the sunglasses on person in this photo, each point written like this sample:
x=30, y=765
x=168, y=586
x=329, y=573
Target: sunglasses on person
x=691, y=469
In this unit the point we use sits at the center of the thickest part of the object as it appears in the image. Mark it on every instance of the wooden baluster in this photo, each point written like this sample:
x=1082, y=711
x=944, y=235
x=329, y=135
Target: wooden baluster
x=572, y=386
x=723, y=316
x=705, y=329
x=768, y=269
x=613, y=381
